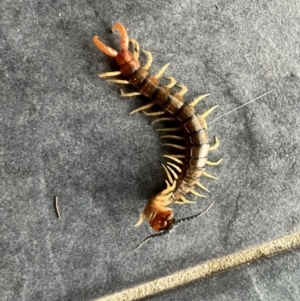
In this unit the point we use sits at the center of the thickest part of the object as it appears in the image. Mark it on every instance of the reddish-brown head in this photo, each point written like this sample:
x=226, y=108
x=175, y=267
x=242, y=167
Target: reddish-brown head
x=124, y=57
x=162, y=221
x=158, y=215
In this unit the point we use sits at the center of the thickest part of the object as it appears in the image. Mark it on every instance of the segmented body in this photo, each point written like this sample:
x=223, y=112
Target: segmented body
x=194, y=127
x=181, y=180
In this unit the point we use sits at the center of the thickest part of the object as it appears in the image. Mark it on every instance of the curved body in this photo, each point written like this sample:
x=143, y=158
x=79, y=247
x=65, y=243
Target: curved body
x=194, y=127
x=184, y=171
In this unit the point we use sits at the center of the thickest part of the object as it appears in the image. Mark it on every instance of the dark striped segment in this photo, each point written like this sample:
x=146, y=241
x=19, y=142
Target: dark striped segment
x=192, y=125
x=189, y=181
x=138, y=77
x=194, y=172
x=161, y=96
x=186, y=112
x=149, y=86
x=175, y=102
x=199, y=137
x=199, y=151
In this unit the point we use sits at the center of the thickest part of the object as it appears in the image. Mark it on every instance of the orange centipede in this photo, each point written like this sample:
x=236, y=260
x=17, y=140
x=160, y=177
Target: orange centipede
x=184, y=170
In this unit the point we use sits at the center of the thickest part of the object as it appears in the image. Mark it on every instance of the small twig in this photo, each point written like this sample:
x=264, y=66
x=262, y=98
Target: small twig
x=216, y=5
x=242, y=105
x=56, y=206
x=248, y=61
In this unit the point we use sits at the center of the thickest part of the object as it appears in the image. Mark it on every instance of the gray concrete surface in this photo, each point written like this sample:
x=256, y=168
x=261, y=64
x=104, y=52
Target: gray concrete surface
x=68, y=133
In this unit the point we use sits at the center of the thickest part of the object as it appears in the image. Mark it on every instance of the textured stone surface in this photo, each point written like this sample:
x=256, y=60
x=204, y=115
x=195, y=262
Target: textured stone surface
x=68, y=133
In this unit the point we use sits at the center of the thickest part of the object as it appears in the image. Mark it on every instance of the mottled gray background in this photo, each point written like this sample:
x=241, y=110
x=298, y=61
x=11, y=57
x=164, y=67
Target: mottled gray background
x=68, y=133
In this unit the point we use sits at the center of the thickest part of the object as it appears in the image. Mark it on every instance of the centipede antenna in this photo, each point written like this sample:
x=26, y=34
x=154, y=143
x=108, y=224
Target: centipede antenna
x=245, y=104
x=173, y=226
x=151, y=236
x=179, y=221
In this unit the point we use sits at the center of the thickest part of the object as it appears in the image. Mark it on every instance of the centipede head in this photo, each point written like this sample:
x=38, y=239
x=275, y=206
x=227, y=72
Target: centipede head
x=124, y=57
x=158, y=215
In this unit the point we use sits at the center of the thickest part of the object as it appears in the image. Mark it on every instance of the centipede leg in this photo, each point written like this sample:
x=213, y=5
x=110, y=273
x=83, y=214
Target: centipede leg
x=136, y=45
x=145, y=107
x=198, y=99
x=169, y=129
x=206, y=174
x=172, y=82
x=183, y=89
x=204, y=115
x=174, y=158
x=175, y=146
x=108, y=74
x=169, y=188
x=214, y=163
x=123, y=33
x=119, y=81
x=163, y=119
x=149, y=62
x=175, y=166
x=129, y=94
x=173, y=172
x=184, y=201
x=154, y=113
x=161, y=71
x=215, y=146
x=168, y=174
x=197, y=194
x=199, y=184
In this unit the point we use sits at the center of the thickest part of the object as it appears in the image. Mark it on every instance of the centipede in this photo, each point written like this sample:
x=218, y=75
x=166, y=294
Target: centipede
x=191, y=141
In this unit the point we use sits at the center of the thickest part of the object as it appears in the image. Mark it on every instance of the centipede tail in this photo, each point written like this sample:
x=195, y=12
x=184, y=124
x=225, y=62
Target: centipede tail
x=184, y=169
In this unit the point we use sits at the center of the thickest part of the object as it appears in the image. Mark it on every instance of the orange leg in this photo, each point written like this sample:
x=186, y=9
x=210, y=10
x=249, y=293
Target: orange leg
x=108, y=50
x=102, y=47
x=123, y=33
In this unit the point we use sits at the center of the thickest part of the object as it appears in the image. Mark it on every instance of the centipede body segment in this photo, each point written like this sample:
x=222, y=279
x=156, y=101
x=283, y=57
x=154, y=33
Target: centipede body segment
x=183, y=170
